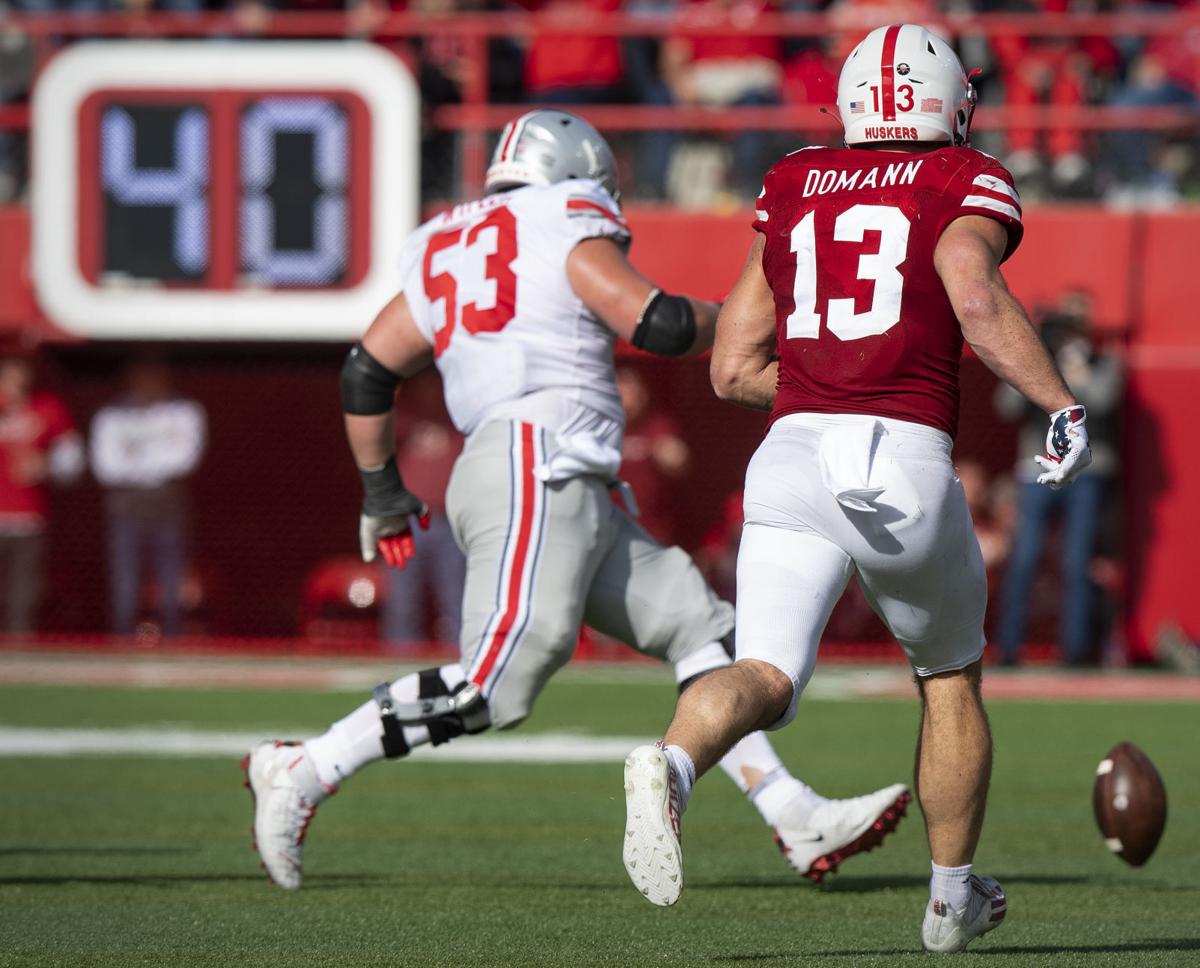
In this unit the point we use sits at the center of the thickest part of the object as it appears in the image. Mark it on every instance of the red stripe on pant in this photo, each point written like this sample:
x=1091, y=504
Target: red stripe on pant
x=888, y=68
x=516, y=577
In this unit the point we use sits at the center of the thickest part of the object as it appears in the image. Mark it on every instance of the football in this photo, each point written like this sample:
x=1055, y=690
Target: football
x=1130, y=803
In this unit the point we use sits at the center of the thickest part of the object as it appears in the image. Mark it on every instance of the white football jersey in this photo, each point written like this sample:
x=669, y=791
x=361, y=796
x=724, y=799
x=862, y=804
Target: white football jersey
x=486, y=283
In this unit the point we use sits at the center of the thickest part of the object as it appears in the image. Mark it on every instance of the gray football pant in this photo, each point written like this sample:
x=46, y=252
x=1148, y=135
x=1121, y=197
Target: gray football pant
x=542, y=558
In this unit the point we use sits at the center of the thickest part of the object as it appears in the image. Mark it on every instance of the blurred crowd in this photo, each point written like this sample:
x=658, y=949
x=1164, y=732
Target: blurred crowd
x=1056, y=568
x=574, y=64
x=141, y=448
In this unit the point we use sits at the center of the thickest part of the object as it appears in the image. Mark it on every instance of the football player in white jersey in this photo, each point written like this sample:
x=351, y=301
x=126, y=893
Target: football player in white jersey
x=518, y=299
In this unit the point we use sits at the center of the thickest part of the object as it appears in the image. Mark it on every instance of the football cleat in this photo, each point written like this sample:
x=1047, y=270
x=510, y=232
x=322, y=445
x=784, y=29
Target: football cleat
x=839, y=829
x=652, y=854
x=282, y=780
x=945, y=929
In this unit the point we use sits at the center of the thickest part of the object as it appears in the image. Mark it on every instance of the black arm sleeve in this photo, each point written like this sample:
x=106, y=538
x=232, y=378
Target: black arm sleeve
x=368, y=387
x=667, y=325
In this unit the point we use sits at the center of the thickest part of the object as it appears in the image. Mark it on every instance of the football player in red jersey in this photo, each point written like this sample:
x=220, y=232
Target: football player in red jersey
x=873, y=263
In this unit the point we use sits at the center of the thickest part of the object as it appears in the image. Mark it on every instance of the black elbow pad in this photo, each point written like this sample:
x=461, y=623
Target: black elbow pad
x=667, y=325
x=368, y=387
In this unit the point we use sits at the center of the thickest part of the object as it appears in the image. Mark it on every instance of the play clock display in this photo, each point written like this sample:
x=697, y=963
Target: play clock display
x=220, y=190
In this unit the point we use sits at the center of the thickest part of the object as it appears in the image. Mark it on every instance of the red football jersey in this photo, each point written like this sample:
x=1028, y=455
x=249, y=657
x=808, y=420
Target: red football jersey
x=863, y=321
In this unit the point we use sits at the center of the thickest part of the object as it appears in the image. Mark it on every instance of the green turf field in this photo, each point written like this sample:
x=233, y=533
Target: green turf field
x=141, y=861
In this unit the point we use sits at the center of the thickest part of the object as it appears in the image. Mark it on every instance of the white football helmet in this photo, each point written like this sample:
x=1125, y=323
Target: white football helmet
x=546, y=146
x=903, y=83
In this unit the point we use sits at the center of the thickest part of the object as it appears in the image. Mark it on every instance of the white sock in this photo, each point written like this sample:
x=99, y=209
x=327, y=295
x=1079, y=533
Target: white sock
x=951, y=884
x=356, y=740
x=759, y=773
x=781, y=795
x=304, y=775
x=684, y=770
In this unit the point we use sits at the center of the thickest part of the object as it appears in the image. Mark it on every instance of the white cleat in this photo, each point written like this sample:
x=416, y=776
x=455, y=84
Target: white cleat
x=839, y=829
x=276, y=775
x=945, y=929
x=653, y=856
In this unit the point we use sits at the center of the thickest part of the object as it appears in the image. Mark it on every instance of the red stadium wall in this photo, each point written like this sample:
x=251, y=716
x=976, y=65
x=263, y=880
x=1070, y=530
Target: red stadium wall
x=268, y=519
x=1140, y=270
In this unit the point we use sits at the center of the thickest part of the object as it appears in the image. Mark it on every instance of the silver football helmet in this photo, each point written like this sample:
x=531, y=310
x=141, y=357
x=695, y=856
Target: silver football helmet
x=546, y=146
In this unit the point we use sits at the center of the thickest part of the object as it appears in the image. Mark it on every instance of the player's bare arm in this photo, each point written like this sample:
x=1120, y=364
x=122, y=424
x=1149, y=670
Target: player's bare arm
x=633, y=307
x=392, y=349
x=395, y=343
x=967, y=259
x=744, y=369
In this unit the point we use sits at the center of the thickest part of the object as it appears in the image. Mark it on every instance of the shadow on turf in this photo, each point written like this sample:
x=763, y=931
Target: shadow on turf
x=1158, y=944
x=851, y=884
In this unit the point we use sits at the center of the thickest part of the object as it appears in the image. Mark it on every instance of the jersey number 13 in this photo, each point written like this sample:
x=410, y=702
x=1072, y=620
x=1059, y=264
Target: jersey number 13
x=880, y=267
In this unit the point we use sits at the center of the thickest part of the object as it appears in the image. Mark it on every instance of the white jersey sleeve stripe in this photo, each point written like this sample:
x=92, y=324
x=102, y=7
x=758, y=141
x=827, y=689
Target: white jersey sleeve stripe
x=998, y=185
x=586, y=207
x=982, y=201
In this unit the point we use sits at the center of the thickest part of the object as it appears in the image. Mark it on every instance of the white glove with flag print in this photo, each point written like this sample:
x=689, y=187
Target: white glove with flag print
x=1067, y=451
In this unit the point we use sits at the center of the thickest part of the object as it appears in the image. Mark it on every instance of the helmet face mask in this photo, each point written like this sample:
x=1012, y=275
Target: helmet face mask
x=545, y=147
x=904, y=83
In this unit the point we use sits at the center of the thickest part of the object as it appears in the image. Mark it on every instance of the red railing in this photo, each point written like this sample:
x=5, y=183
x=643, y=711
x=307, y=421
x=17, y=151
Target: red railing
x=476, y=116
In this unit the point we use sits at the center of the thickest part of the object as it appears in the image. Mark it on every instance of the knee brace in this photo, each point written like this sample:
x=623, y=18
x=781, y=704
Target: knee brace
x=445, y=712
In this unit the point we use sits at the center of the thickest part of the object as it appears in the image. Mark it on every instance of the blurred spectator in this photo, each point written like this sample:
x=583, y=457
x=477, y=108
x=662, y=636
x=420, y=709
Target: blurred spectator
x=142, y=6
x=645, y=85
x=571, y=63
x=16, y=75
x=144, y=447
x=732, y=70
x=1139, y=160
x=1097, y=380
x=1062, y=72
x=851, y=20
x=717, y=555
x=425, y=454
x=654, y=457
x=811, y=76
x=38, y=444
x=994, y=538
x=444, y=65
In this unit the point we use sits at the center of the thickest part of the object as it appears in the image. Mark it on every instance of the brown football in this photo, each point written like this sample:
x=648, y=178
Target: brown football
x=1130, y=803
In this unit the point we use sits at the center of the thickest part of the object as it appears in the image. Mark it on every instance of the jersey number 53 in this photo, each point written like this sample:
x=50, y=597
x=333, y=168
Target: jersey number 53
x=487, y=249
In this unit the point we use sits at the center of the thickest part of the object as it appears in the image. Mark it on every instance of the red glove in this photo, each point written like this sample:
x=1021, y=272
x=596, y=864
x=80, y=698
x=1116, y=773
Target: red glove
x=384, y=526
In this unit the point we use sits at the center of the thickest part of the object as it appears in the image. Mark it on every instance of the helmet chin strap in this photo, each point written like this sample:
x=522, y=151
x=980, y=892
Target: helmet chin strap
x=837, y=118
x=972, y=100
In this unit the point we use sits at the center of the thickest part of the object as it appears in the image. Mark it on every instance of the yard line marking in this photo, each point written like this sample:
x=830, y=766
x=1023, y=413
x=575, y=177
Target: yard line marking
x=151, y=741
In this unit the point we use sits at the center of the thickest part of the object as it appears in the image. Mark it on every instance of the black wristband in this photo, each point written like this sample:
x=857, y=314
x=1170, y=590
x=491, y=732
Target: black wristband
x=384, y=492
